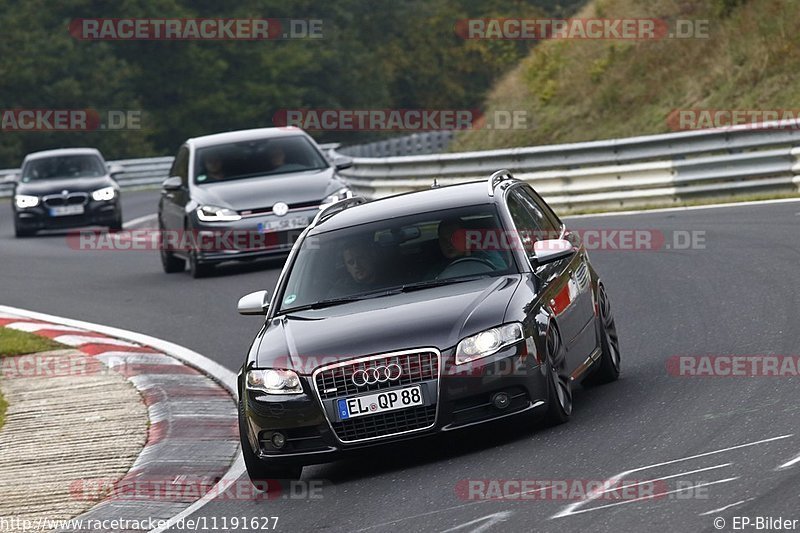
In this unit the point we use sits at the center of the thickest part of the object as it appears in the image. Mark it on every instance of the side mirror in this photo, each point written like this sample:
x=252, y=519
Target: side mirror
x=342, y=162
x=173, y=183
x=255, y=303
x=551, y=250
x=115, y=170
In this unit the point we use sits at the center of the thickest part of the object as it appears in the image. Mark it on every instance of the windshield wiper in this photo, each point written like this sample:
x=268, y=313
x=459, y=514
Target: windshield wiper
x=330, y=302
x=440, y=282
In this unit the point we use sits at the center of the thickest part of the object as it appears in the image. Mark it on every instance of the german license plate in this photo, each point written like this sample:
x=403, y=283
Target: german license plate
x=66, y=210
x=284, y=224
x=380, y=402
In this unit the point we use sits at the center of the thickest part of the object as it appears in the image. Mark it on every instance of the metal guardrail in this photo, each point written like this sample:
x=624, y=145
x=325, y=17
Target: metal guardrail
x=648, y=170
x=636, y=171
x=429, y=142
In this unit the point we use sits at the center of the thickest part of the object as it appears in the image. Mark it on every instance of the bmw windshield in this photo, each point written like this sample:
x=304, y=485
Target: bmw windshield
x=396, y=255
x=257, y=158
x=66, y=166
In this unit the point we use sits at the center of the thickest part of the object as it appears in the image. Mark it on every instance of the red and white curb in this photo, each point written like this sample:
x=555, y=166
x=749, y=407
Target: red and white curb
x=192, y=438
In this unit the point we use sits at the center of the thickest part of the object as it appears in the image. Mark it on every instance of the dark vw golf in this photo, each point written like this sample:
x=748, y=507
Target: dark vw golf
x=417, y=314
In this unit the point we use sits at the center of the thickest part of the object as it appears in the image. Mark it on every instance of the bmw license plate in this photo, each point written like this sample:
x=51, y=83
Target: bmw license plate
x=66, y=210
x=380, y=402
x=283, y=224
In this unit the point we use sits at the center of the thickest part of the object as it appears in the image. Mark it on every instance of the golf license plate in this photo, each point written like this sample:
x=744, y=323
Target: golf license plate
x=284, y=224
x=66, y=210
x=380, y=402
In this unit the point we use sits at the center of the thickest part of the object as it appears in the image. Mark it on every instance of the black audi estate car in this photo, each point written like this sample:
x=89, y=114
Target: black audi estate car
x=417, y=314
x=243, y=195
x=66, y=188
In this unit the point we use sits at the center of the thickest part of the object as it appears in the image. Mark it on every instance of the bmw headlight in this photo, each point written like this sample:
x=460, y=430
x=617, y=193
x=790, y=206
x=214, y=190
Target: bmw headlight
x=488, y=342
x=341, y=194
x=212, y=213
x=103, y=195
x=273, y=381
x=23, y=201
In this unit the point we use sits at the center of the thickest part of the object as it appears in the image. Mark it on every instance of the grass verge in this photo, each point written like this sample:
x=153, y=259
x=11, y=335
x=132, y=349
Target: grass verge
x=13, y=342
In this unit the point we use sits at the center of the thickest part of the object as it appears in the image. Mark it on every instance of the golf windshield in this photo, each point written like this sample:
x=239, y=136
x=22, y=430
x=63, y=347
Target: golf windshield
x=256, y=158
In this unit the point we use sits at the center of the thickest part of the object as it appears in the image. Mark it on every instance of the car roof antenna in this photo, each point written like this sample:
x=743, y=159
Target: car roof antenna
x=435, y=183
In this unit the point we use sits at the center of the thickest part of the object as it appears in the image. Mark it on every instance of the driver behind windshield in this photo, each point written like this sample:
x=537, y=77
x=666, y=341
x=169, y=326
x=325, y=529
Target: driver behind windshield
x=451, y=231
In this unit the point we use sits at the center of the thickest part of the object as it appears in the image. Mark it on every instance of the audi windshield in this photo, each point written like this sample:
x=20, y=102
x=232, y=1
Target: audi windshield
x=401, y=254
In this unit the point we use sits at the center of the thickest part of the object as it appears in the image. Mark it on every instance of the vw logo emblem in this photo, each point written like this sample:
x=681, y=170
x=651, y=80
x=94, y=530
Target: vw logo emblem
x=280, y=209
x=376, y=374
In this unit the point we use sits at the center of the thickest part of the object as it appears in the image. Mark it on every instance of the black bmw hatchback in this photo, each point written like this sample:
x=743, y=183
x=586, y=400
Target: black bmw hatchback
x=417, y=314
x=66, y=188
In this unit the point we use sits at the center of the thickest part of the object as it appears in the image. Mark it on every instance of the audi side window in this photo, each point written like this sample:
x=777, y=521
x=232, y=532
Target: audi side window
x=544, y=226
x=550, y=221
x=527, y=226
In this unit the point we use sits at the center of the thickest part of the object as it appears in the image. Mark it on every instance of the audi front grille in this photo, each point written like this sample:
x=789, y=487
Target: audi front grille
x=335, y=382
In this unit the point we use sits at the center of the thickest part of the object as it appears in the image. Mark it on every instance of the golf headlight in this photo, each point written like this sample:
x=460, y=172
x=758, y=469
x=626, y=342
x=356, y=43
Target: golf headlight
x=341, y=194
x=488, y=342
x=274, y=381
x=212, y=213
x=23, y=201
x=104, y=194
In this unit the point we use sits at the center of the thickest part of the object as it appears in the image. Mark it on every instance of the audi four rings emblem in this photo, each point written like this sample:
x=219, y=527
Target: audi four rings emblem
x=376, y=374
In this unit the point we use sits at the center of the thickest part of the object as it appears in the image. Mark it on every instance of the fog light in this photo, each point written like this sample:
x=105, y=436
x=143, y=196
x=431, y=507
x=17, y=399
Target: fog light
x=501, y=400
x=278, y=440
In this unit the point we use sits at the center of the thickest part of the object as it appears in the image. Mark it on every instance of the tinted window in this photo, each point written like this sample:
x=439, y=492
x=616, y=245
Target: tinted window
x=442, y=245
x=180, y=167
x=66, y=166
x=256, y=158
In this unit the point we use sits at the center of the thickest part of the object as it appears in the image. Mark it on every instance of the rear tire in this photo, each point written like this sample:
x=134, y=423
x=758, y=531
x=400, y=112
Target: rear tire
x=257, y=471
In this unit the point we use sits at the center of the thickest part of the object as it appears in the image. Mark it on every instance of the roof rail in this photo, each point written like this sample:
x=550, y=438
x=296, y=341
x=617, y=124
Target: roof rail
x=337, y=207
x=498, y=177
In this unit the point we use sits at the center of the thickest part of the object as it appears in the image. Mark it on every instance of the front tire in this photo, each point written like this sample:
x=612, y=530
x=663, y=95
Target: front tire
x=169, y=261
x=609, y=368
x=559, y=384
x=197, y=267
x=257, y=471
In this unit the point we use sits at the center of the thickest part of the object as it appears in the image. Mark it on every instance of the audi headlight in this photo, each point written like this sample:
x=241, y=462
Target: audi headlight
x=341, y=194
x=274, y=381
x=23, y=201
x=212, y=213
x=103, y=195
x=488, y=342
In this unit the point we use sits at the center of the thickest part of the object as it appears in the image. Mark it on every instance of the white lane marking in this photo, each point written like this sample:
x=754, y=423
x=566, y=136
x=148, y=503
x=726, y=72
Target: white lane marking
x=80, y=340
x=715, y=511
x=32, y=327
x=653, y=496
x=219, y=373
x=489, y=521
x=616, y=489
x=789, y=463
x=570, y=509
x=140, y=221
x=685, y=208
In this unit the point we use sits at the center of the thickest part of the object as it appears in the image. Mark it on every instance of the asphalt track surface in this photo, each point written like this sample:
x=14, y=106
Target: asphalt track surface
x=737, y=294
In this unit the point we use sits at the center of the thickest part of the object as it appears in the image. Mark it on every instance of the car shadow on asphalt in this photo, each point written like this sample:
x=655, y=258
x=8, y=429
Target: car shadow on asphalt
x=396, y=456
